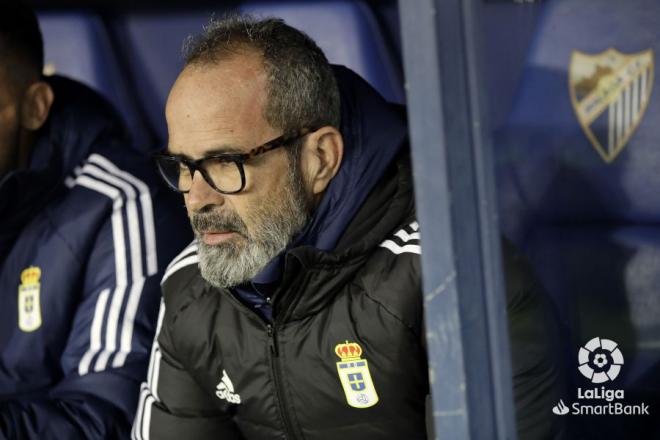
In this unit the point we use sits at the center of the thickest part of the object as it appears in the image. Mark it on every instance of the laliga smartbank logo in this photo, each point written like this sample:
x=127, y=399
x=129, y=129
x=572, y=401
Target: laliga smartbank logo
x=600, y=361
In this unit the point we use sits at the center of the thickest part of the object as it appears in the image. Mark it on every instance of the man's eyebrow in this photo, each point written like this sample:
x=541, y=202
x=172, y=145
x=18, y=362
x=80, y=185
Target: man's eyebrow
x=214, y=151
x=224, y=149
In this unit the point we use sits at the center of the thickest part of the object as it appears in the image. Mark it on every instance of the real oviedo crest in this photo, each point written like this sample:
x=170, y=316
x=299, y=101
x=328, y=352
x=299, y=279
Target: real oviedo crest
x=354, y=376
x=29, y=304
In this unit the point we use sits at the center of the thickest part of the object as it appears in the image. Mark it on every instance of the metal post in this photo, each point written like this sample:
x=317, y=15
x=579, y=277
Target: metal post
x=465, y=307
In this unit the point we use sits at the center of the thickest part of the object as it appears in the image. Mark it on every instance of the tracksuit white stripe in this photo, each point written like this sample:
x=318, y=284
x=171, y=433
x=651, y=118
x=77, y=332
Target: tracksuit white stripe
x=95, y=332
x=147, y=209
x=126, y=341
x=119, y=247
x=124, y=180
x=137, y=278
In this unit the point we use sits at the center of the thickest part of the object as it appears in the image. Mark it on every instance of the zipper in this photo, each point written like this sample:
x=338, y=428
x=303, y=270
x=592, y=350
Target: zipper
x=274, y=365
x=273, y=354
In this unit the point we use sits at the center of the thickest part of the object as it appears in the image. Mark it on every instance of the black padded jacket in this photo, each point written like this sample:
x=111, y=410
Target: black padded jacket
x=344, y=358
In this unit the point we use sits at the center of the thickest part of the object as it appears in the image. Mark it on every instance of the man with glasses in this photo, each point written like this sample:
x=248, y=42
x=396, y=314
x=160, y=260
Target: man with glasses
x=297, y=311
x=86, y=230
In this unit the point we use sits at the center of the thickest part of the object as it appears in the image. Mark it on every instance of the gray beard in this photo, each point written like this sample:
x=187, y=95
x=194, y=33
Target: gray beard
x=274, y=224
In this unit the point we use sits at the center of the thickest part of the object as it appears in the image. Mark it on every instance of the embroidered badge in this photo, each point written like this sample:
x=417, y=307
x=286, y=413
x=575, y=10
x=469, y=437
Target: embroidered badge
x=354, y=376
x=610, y=92
x=29, y=304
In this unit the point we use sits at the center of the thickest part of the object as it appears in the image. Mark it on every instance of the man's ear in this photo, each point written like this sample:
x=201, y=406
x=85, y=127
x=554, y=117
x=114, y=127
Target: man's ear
x=36, y=104
x=321, y=157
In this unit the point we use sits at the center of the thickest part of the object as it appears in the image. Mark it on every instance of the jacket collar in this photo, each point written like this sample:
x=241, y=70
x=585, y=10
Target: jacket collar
x=373, y=131
x=324, y=273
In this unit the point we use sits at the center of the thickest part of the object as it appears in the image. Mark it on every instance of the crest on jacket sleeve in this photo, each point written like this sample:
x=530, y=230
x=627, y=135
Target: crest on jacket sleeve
x=354, y=376
x=29, y=304
x=610, y=92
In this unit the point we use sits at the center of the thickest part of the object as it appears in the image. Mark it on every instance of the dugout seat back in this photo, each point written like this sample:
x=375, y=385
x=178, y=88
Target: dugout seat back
x=347, y=31
x=77, y=45
x=578, y=163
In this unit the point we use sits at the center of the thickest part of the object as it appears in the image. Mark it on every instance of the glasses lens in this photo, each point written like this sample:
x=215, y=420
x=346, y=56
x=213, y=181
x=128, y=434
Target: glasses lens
x=226, y=175
x=175, y=173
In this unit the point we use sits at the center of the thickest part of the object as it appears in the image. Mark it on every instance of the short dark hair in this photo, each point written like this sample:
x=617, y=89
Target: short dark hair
x=21, y=44
x=301, y=87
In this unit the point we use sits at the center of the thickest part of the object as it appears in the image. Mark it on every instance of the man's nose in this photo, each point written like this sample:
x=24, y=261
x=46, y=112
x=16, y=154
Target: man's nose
x=201, y=194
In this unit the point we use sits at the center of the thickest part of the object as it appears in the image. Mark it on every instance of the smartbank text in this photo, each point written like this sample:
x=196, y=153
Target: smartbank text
x=610, y=408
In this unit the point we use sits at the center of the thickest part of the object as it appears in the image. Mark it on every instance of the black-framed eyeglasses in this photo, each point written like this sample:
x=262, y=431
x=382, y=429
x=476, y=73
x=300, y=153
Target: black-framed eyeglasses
x=223, y=172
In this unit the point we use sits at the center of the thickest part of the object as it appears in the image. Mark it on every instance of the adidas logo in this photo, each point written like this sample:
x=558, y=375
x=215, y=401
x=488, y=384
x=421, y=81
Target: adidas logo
x=225, y=390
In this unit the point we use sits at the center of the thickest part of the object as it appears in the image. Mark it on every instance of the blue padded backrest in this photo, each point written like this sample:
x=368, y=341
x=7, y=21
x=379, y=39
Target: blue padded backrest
x=345, y=30
x=77, y=45
x=578, y=163
x=553, y=171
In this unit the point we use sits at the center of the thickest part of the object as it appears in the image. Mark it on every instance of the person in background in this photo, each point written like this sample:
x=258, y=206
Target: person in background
x=297, y=312
x=86, y=229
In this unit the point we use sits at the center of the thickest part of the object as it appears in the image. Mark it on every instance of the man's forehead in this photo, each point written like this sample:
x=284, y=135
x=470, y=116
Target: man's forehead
x=237, y=76
x=218, y=106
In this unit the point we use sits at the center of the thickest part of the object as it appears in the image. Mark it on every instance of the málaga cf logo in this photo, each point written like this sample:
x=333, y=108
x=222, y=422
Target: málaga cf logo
x=610, y=92
x=354, y=376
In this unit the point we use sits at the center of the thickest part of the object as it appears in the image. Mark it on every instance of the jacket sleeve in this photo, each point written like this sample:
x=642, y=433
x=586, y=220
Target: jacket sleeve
x=538, y=374
x=172, y=405
x=106, y=354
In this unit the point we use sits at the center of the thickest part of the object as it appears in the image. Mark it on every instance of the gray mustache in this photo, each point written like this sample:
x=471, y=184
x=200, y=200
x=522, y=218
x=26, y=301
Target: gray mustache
x=210, y=221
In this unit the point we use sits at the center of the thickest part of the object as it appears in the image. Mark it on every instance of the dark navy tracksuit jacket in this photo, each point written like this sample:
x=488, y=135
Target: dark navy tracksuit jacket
x=85, y=233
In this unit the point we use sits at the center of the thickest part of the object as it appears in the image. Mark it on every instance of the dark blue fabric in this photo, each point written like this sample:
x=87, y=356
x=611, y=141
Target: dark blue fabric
x=78, y=235
x=373, y=131
x=590, y=226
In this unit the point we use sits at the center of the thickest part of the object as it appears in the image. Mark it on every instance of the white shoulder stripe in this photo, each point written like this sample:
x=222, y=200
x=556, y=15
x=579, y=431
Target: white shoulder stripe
x=95, y=332
x=147, y=208
x=154, y=362
x=120, y=258
x=137, y=277
x=149, y=389
x=406, y=237
x=142, y=420
x=403, y=235
x=101, y=175
x=395, y=248
x=125, y=179
x=188, y=261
